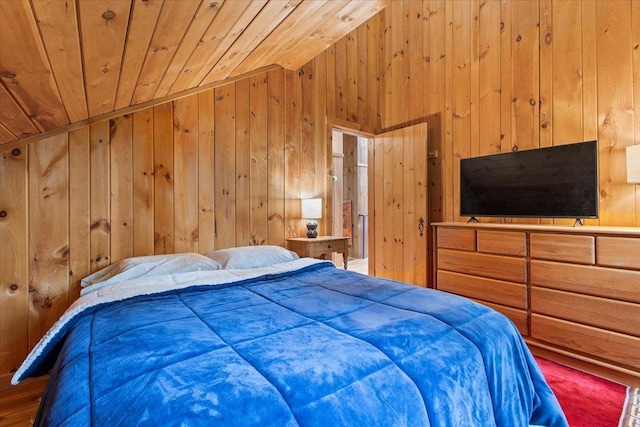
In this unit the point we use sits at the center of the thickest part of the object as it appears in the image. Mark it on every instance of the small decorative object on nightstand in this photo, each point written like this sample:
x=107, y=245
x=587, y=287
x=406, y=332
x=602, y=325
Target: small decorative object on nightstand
x=320, y=247
x=311, y=210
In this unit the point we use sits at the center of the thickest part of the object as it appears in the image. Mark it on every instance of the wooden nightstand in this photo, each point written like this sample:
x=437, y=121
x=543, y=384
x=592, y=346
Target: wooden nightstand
x=320, y=247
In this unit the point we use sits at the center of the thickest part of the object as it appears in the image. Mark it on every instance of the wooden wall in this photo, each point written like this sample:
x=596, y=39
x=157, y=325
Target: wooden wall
x=228, y=166
x=225, y=167
x=513, y=75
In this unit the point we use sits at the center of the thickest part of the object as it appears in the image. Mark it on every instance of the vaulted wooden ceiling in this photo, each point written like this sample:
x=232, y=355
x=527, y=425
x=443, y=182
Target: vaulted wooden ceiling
x=69, y=61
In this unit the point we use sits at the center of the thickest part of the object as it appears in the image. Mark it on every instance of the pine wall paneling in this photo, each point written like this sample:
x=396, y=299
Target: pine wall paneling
x=275, y=158
x=635, y=17
x=14, y=259
x=121, y=168
x=292, y=153
x=221, y=168
x=163, y=173
x=48, y=211
x=614, y=67
x=243, y=164
x=79, y=220
x=185, y=146
x=143, y=181
x=515, y=75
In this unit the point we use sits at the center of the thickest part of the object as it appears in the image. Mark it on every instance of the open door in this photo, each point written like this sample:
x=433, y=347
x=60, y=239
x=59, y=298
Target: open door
x=398, y=205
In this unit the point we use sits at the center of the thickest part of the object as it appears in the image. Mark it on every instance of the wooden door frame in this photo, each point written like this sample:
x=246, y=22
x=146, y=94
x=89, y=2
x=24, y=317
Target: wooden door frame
x=355, y=129
x=436, y=172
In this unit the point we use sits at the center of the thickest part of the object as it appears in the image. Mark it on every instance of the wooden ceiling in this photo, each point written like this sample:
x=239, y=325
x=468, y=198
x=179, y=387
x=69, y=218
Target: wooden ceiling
x=71, y=61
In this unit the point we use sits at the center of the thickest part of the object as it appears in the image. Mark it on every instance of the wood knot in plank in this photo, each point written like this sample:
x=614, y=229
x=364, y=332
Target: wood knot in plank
x=99, y=258
x=277, y=216
x=113, y=126
x=101, y=223
x=108, y=15
x=63, y=253
x=15, y=152
x=39, y=300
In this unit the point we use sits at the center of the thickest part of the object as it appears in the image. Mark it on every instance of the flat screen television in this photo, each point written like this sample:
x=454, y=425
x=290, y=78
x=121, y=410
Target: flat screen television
x=553, y=182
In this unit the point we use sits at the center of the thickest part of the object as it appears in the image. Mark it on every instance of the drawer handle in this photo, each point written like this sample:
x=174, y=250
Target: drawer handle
x=330, y=246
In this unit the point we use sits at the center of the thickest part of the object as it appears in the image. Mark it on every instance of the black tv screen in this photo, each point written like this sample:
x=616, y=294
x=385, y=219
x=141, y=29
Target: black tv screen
x=554, y=182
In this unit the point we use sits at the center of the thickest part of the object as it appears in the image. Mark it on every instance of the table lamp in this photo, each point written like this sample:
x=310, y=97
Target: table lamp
x=311, y=210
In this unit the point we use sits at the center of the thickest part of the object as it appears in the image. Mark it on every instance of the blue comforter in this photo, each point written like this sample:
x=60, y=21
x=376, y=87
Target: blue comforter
x=319, y=347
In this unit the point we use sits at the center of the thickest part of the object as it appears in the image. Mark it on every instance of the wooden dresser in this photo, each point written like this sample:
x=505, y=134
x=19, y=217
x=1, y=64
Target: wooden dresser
x=574, y=293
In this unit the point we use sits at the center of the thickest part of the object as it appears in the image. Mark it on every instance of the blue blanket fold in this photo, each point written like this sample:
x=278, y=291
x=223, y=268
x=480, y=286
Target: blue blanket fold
x=315, y=347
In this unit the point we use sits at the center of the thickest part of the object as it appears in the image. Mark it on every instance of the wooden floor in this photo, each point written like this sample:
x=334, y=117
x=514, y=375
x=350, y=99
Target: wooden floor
x=18, y=404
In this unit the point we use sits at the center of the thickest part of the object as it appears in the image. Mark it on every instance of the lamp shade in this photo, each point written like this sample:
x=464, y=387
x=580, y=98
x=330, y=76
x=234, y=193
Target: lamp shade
x=633, y=164
x=311, y=208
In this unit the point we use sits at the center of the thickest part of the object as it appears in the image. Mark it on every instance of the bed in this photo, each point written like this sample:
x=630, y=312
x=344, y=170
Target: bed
x=283, y=342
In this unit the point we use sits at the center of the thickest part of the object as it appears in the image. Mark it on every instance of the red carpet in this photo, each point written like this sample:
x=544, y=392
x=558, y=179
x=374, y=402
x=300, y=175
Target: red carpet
x=587, y=400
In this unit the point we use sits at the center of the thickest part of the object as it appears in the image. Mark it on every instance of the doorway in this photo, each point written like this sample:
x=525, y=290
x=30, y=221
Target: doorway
x=392, y=225
x=350, y=194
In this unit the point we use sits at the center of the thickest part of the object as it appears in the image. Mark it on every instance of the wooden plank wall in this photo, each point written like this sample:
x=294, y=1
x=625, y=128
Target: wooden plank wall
x=508, y=75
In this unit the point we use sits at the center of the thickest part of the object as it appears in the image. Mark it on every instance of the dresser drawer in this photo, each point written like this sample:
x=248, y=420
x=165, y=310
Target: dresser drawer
x=613, y=315
x=502, y=243
x=618, y=252
x=457, y=238
x=613, y=283
x=563, y=247
x=490, y=290
x=510, y=269
x=623, y=350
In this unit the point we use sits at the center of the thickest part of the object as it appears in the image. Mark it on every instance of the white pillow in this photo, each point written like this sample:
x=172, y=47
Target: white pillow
x=252, y=256
x=152, y=265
